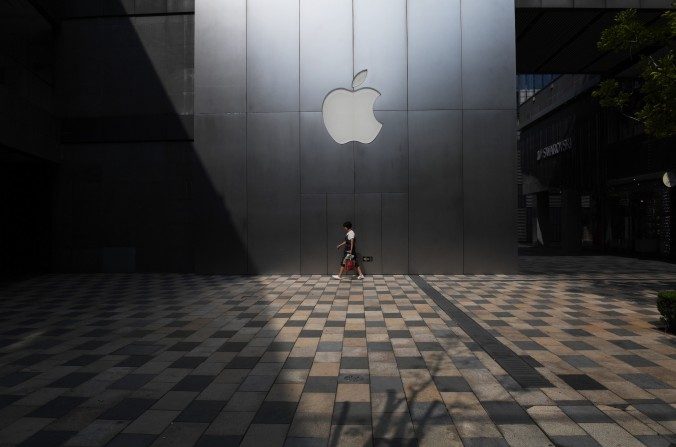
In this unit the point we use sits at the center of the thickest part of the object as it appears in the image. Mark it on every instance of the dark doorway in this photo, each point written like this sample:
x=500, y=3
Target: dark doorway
x=26, y=185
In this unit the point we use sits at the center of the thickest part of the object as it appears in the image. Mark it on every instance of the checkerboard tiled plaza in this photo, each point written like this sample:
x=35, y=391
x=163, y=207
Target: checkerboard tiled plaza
x=182, y=360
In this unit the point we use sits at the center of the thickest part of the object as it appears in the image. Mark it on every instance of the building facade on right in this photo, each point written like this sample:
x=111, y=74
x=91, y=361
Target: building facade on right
x=591, y=178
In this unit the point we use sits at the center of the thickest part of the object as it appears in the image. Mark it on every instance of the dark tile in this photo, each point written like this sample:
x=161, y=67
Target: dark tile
x=188, y=362
x=429, y=346
x=332, y=323
x=242, y=363
x=201, y=411
x=585, y=414
x=579, y=361
x=581, y=382
x=280, y=346
x=411, y=363
x=635, y=360
x=218, y=441
x=131, y=440
x=456, y=384
x=627, y=344
x=382, y=384
x=58, y=407
x=183, y=346
x=298, y=363
x=351, y=413
x=330, y=346
x=574, y=441
x=658, y=412
x=48, y=438
x=193, y=382
x=645, y=381
x=379, y=346
x=320, y=384
x=128, y=409
x=275, y=413
x=506, y=413
x=233, y=346
x=310, y=333
x=135, y=360
x=72, y=380
x=354, y=334
x=223, y=334
x=131, y=382
x=16, y=378
x=354, y=363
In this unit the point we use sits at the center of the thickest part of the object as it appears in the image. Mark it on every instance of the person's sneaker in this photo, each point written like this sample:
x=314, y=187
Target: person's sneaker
x=335, y=276
x=360, y=277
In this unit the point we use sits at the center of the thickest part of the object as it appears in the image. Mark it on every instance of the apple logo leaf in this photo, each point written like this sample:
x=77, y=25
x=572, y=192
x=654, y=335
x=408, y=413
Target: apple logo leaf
x=359, y=78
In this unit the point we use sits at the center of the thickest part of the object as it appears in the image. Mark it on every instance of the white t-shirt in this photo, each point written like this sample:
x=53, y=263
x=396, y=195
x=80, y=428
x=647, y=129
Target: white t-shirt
x=350, y=235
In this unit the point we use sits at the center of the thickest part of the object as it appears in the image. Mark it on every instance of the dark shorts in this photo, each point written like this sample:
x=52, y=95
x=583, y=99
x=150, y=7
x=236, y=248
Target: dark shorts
x=356, y=259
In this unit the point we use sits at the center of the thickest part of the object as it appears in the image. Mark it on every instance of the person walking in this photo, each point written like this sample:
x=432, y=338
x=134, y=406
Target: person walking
x=349, y=252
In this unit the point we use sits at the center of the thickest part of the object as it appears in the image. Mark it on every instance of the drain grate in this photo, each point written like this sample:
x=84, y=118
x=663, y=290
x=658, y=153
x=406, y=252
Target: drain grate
x=524, y=374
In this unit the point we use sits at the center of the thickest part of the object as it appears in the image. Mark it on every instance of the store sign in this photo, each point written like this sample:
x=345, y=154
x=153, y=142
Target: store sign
x=554, y=149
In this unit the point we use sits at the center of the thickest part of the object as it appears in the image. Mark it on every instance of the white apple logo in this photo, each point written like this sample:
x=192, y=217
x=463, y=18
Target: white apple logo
x=348, y=114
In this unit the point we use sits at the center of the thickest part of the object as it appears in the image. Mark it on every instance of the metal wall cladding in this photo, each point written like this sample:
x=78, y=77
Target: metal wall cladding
x=489, y=186
x=220, y=57
x=325, y=166
x=436, y=200
x=434, y=55
x=313, y=234
x=431, y=193
x=325, y=50
x=380, y=47
x=272, y=55
x=219, y=193
x=488, y=55
x=273, y=192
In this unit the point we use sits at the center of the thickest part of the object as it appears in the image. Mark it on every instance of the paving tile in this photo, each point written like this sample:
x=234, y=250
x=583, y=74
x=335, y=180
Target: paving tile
x=275, y=413
x=300, y=360
x=128, y=409
x=506, y=413
x=201, y=411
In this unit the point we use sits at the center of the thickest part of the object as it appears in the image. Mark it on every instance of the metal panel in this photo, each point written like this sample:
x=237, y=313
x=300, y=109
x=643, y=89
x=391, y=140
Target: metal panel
x=325, y=166
x=273, y=192
x=382, y=166
x=488, y=58
x=339, y=208
x=368, y=226
x=313, y=234
x=220, y=56
x=490, y=191
x=380, y=48
x=272, y=55
x=436, y=203
x=218, y=191
x=394, y=233
x=325, y=50
x=434, y=52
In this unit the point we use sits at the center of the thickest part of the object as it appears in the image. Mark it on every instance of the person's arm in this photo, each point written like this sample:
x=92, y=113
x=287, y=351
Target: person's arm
x=341, y=244
x=351, y=245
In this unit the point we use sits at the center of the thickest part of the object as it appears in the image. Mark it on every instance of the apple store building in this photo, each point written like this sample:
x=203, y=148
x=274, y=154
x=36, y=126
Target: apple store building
x=396, y=115
x=236, y=138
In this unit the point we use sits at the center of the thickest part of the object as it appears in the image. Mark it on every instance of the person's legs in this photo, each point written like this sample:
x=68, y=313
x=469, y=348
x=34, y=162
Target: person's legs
x=340, y=272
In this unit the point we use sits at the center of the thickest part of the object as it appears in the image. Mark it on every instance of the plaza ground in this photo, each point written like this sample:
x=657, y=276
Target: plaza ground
x=565, y=353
